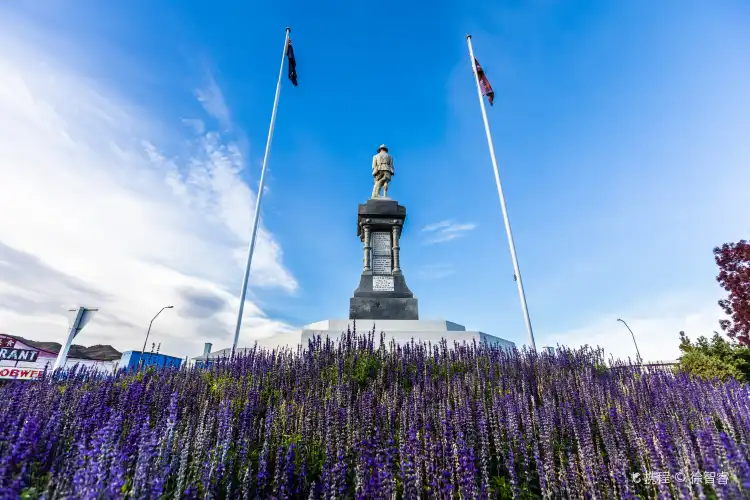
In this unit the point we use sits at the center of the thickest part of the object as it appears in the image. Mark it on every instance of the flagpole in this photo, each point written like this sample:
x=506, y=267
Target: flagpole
x=517, y=270
x=259, y=196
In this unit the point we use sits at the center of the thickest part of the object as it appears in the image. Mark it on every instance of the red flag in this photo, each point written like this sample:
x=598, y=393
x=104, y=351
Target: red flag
x=485, y=83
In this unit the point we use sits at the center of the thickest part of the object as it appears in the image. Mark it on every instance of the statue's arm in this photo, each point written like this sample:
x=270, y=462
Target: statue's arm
x=374, y=164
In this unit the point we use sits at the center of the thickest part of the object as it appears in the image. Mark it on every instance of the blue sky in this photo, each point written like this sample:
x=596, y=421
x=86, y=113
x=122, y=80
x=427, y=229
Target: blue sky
x=620, y=129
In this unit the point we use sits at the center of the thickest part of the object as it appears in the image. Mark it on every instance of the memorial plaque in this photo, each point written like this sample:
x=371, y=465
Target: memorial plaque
x=382, y=283
x=381, y=264
x=381, y=243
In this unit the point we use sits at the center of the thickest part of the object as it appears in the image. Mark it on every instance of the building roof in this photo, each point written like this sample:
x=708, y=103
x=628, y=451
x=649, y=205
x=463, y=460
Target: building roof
x=94, y=352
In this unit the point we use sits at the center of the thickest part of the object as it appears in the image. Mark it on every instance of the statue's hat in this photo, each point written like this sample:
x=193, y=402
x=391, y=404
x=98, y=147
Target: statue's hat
x=382, y=147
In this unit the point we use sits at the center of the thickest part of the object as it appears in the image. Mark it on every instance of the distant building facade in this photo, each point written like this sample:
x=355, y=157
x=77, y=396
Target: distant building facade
x=21, y=361
x=206, y=359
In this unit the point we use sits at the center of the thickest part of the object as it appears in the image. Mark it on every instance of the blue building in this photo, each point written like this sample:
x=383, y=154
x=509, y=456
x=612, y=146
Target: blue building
x=131, y=360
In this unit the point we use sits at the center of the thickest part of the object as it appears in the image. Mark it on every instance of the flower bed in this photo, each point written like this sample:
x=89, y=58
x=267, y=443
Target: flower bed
x=357, y=420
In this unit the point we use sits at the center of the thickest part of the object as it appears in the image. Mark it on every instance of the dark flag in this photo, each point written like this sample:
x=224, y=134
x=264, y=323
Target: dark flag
x=484, y=83
x=292, y=64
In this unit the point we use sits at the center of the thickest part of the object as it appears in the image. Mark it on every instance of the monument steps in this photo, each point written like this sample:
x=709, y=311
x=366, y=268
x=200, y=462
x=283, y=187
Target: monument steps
x=402, y=331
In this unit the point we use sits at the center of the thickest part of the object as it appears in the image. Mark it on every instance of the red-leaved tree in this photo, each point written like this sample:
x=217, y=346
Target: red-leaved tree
x=733, y=260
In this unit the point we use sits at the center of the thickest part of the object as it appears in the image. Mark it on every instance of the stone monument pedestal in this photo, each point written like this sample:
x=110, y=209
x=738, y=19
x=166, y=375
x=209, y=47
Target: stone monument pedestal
x=382, y=298
x=382, y=292
x=382, y=308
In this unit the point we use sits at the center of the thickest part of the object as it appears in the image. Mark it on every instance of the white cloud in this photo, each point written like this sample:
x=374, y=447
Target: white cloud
x=196, y=125
x=95, y=212
x=212, y=100
x=446, y=230
x=656, y=326
x=436, y=271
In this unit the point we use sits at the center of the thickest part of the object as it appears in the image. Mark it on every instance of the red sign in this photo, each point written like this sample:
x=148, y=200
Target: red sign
x=20, y=373
x=7, y=341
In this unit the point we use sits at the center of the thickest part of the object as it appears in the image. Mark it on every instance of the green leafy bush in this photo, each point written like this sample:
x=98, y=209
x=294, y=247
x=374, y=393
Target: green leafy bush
x=715, y=358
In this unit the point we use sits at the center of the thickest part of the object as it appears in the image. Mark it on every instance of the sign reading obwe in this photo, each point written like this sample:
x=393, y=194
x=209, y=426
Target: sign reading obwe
x=21, y=373
x=18, y=355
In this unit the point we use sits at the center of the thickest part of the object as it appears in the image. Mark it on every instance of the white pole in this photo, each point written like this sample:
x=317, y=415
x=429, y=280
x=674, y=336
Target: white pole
x=62, y=356
x=256, y=215
x=519, y=282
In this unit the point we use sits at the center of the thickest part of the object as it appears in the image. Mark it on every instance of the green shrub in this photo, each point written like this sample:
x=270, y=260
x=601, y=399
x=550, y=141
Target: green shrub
x=714, y=359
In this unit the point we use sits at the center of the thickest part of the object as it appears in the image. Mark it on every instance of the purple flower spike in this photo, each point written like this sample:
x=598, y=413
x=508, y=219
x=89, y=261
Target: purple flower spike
x=362, y=417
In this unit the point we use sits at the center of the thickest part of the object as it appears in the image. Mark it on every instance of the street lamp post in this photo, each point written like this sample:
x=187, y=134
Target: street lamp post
x=638, y=353
x=143, y=352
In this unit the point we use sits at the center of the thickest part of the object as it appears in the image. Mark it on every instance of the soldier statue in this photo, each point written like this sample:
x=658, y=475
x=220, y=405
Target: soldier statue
x=382, y=171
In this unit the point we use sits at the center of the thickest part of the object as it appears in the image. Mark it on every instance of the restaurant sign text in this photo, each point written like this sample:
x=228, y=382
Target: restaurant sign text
x=18, y=355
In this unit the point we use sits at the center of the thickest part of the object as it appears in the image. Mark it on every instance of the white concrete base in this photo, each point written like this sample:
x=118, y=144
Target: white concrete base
x=403, y=331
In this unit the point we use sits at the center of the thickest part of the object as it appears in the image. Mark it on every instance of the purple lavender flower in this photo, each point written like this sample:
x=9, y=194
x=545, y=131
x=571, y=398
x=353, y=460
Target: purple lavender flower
x=365, y=418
